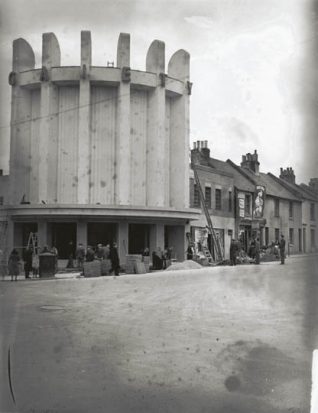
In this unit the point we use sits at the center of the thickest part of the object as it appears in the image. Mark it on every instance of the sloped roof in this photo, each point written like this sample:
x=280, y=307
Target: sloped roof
x=272, y=187
x=298, y=189
x=310, y=193
x=239, y=180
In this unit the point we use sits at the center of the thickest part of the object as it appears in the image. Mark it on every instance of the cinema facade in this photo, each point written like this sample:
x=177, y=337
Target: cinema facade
x=98, y=154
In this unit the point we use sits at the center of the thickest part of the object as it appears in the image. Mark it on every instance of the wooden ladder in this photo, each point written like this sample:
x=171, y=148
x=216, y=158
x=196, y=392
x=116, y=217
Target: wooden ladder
x=216, y=241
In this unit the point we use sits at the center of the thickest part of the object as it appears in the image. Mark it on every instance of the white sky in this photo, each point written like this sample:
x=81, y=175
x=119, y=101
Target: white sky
x=248, y=60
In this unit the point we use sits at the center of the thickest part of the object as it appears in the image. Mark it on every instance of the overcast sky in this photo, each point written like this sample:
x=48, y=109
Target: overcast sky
x=253, y=65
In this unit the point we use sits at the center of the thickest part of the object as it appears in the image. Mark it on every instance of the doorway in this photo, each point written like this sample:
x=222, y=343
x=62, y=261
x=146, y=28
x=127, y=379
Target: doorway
x=138, y=238
x=64, y=238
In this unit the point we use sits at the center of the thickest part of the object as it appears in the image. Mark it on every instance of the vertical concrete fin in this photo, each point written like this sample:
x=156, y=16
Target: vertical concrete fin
x=123, y=50
x=179, y=65
x=86, y=48
x=51, y=55
x=155, y=60
x=22, y=56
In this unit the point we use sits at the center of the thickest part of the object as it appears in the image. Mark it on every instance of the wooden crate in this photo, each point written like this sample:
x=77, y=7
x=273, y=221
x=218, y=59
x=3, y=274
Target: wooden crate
x=92, y=269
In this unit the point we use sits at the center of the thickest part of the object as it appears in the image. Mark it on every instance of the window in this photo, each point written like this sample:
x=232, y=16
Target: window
x=218, y=200
x=312, y=212
x=196, y=197
x=207, y=196
x=291, y=235
x=1, y=200
x=230, y=201
x=291, y=209
x=247, y=204
x=276, y=208
x=276, y=234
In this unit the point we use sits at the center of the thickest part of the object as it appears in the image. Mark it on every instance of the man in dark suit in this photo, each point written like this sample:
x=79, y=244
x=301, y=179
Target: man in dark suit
x=282, y=249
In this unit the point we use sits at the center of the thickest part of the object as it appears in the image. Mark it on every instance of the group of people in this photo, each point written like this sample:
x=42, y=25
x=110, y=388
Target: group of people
x=255, y=249
x=101, y=252
x=30, y=259
x=160, y=259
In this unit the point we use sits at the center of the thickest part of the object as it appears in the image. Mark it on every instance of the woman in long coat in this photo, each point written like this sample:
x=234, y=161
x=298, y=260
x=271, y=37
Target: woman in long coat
x=13, y=264
x=113, y=256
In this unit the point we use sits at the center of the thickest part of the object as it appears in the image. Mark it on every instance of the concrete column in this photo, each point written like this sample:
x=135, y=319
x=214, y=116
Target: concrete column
x=179, y=68
x=156, y=237
x=84, y=120
x=156, y=174
x=122, y=185
x=81, y=233
x=23, y=59
x=42, y=234
x=51, y=57
x=122, y=241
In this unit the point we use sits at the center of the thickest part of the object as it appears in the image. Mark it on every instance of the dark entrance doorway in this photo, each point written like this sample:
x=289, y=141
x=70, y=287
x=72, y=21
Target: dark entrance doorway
x=245, y=234
x=63, y=234
x=138, y=238
x=101, y=233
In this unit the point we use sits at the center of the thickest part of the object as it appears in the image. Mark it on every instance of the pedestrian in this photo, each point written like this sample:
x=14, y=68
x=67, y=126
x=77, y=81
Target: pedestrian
x=27, y=258
x=113, y=255
x=55, y=252
x=99, y=251
x=80, y=255
x=190, y=252
x=146, y=252
x=90, y=254
x=70, y=252
x=282, y=249
x=106, y=250
x=13, y=264
x=257, y=251
x=233, y=251
x=164, y=258
x=252, y=248
x=35, y=264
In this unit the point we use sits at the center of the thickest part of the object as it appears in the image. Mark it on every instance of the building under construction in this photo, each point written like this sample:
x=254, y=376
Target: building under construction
x=98, y=153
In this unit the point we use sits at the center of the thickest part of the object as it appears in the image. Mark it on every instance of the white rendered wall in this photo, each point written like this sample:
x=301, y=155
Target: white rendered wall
x=34, y=147
x=68, y=144
x=103, y=132
x=138, y=146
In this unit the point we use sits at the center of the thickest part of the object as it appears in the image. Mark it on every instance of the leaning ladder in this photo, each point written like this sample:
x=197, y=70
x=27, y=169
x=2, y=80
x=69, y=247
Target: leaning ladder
x=216, y=240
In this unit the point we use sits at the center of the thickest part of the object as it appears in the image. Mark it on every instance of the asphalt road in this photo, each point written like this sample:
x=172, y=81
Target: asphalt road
x=220, y=340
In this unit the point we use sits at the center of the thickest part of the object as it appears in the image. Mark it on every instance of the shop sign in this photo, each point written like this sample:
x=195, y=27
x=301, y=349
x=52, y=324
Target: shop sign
x=259, y=201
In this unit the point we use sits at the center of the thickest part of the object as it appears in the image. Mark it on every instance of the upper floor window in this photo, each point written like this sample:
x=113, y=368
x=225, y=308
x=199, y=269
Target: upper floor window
x=312, y=212
x=196, y=197
x=230, y=201
x=276, y=208
x=247, y=204
x=1, y=200
x=207, y=196
x=218, y=199
x=291, y=209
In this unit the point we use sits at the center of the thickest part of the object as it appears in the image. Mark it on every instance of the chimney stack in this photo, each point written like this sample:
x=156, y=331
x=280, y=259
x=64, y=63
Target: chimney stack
x=200, y=154
x=288, y=175
x=250, y=161
x=313, y=183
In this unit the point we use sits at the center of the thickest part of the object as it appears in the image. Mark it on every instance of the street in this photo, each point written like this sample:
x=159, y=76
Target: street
x=220, y=340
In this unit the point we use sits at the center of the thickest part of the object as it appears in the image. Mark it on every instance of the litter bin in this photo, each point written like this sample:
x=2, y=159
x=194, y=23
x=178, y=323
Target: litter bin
x=47, y=265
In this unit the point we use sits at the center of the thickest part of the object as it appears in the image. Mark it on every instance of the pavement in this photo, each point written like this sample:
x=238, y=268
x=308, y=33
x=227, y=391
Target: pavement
x=222, y=340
